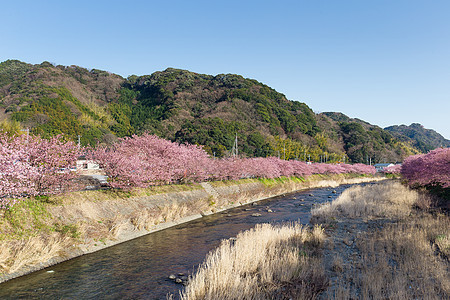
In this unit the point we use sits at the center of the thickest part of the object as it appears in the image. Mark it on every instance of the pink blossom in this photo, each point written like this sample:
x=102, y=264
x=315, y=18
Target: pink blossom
x=428, y=169
x=149, y=160
x=35, y=166
x=395, y=169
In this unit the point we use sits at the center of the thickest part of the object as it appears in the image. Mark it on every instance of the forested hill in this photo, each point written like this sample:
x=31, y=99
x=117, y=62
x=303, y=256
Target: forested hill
x=422, y=138
x=186, y=107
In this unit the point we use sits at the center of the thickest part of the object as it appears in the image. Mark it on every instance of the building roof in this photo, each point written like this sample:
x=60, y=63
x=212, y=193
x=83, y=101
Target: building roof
x=383, y=165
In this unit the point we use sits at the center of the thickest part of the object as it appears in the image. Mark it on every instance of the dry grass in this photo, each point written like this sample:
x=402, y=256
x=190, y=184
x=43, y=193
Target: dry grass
x=276, y=262
x=443, y=243
x=33, y=250
x=401, y=253
x=402, y=261
x=147, y=218
x=108, y=195
x=222, y=183
x=38, y=230
x=387, y=199
x=338, y=263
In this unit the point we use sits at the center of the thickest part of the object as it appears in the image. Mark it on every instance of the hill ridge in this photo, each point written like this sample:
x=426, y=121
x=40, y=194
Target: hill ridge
x=185, y=106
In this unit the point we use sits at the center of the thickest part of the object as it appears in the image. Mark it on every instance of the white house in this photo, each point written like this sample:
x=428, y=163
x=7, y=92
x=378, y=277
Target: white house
x=84, y=164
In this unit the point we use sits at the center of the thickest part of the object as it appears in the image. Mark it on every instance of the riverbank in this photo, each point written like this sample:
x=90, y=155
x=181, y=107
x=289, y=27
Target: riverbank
x=384, y=242
x=41, y=232
x=381, y=241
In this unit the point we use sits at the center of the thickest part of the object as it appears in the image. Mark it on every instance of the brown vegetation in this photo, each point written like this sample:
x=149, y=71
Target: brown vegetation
x=266, y=262
x=80, y=222
x=383, y=247
x=391, y=199
x=30, y=250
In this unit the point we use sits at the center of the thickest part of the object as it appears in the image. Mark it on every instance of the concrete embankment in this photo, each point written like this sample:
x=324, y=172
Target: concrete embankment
x=38, y=234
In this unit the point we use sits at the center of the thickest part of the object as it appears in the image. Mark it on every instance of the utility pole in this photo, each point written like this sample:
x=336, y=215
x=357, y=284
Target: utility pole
x=27, y=131
x=234, y=150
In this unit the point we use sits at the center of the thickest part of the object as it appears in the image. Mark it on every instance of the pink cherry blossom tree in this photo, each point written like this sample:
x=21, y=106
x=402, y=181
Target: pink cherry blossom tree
x=149, y=160
x=30, y=165
x=428, y=169
x=395, y=169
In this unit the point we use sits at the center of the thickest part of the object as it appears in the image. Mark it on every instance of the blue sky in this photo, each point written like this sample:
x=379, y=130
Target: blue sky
x=386, y=62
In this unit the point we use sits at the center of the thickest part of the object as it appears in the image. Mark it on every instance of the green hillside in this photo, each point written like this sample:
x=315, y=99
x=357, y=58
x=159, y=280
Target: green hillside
x=186, y=107
x=422, y=138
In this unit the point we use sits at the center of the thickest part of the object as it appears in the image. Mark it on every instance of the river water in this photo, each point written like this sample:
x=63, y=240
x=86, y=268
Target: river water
x=139, y=269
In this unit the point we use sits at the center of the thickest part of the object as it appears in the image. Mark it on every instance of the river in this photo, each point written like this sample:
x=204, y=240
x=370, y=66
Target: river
x=139, y=269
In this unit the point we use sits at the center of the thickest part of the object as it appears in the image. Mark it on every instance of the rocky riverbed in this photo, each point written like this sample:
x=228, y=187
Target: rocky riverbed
x=383, y=243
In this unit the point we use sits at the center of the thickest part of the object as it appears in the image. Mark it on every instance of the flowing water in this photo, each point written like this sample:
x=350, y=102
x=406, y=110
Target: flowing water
x=139, y=269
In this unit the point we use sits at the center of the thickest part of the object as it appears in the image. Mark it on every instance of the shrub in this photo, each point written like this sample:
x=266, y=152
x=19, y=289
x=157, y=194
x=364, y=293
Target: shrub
x=432, y=169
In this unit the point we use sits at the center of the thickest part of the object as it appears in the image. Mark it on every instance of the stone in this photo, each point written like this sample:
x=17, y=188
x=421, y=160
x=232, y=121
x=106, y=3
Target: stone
x=311, y=195
x=347, y=242
x=256, y=215
x=172, y=277
x=178, y=280
x=329, y=196
x=269, y=210
x=334, y=192
x=181, y=274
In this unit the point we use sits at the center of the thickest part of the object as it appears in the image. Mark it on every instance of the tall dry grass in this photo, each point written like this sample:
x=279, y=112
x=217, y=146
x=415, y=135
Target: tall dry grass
x=402, y=261
x=387, y=199
x=266, y=262
x=403, y=253
x=15, y=254
x=147, y=218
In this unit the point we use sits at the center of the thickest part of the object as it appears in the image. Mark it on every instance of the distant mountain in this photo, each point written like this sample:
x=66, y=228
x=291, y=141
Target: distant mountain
x=185, y=106
x=365, y=142
x=420, y=137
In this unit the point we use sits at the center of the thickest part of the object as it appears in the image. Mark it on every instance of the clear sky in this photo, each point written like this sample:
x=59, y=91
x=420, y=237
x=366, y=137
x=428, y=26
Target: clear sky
x=384, y=61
